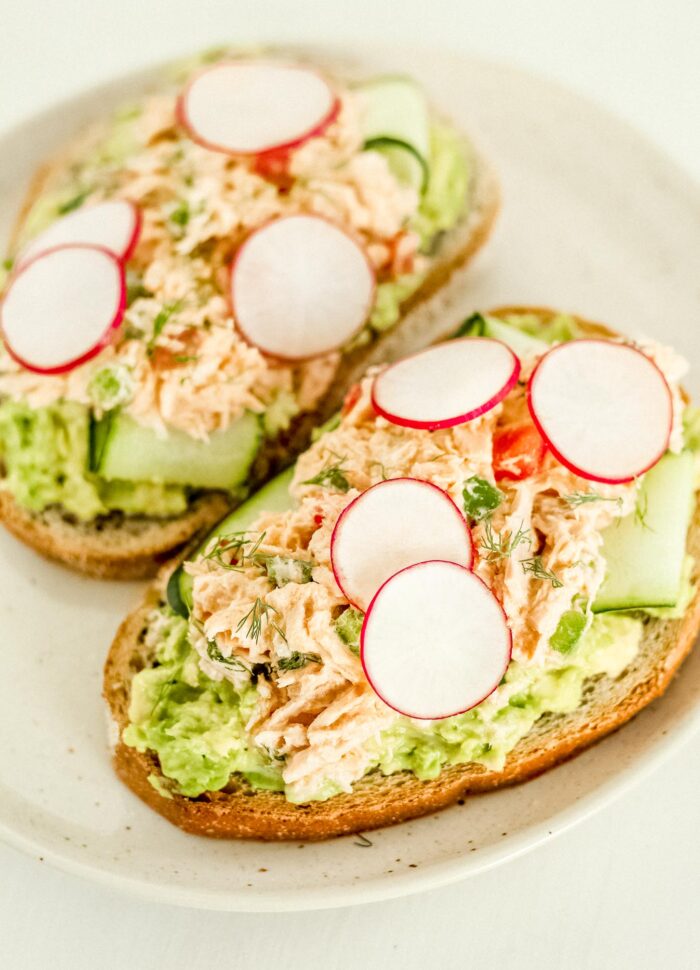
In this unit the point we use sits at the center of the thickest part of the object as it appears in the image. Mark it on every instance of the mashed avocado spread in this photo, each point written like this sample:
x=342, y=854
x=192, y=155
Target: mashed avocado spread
x=45, y=454
x=196, y=725
x=440, y=207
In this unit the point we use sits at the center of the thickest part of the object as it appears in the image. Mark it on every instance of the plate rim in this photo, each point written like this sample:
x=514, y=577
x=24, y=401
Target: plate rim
x=446, y=872
x=385, y=887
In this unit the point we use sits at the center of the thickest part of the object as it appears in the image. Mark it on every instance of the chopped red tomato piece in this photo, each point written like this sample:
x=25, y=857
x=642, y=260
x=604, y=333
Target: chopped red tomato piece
x=518, y=452
x=403, y=253
x=274, y=166
x=351, y=399
x=318, y=519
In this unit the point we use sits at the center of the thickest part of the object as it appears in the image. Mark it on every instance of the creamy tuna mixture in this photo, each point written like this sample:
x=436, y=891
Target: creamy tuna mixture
x=179, y=361
x=288, y=631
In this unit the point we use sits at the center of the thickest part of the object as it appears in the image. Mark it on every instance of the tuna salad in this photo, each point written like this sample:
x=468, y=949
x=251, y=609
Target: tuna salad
x=448, y=562
x=175, y=299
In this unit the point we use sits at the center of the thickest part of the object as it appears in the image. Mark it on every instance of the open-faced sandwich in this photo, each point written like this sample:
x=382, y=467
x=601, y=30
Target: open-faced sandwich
x=193, y=284
x=484, y=564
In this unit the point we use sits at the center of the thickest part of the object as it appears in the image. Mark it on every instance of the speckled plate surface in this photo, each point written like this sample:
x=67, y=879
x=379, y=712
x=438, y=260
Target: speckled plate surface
x=595, y=220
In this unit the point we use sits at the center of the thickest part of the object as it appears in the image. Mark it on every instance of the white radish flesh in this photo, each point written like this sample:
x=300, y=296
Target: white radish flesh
x=300, y=287
x=62, y=307
x=393, y=525
x=113, y=225
x=249, y=108
x=604, y=409
x=448, y=384
x=435, y=641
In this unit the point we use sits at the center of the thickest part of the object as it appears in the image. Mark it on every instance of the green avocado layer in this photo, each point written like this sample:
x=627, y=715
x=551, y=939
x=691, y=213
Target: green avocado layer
x=441, y=206
x=196, y=725
x=184, y=728
x=45, y=455
x=44, y=451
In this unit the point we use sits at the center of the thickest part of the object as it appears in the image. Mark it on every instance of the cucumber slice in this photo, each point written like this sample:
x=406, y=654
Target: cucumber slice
x=519, y=342
x=173, y=592
x=645, y=552
x=404, y=162
x=99, y=433
x=272, y=497
x=396, y=119
x=131, y=452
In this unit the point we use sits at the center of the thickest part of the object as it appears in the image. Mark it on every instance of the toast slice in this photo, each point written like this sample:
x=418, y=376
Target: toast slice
x=378, y=800
x=114, y=547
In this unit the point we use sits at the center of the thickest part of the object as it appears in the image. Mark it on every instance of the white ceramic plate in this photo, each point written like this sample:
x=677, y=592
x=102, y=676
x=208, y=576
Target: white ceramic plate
x=595, y=220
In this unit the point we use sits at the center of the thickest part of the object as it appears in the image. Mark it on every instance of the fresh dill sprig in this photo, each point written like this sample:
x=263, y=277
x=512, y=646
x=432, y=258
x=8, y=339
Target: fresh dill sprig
x=217, y=656
x=259, y=613
x=641, y=509
x=501, y=545
x=297, y=660
x=213, y=652
x=243, y=548
x=537, y=568
x=584, y=498
x=362, y=841
x=332, y=475
x=255, y=672
x=380, y=466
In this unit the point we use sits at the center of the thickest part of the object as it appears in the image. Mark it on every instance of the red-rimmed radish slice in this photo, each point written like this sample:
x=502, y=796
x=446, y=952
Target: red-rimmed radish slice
x=604, y=408
x=62, y=307
x=251, y=107
x=435, y=641
x=300, y=287
x=445, y=385
x=112, y=225
x=392, y=525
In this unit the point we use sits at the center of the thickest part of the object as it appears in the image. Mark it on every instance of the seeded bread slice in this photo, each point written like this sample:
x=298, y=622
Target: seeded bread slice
x=114, y=548
x=376, y=800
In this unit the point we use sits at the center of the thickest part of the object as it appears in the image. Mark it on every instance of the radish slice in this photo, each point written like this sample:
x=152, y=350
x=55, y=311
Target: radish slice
x=446, y=385
x=393, y=525
x=250, y=107
x=604, y=409
x=435, y=641
x=113, y=225
x=300, y=287
x=62, y=307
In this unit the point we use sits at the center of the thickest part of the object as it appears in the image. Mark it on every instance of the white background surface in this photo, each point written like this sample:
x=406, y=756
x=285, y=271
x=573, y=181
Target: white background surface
x=619, y=891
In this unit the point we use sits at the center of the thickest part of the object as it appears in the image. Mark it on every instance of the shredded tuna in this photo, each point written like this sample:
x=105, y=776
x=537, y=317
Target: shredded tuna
x=322, y=716
x=197, y=374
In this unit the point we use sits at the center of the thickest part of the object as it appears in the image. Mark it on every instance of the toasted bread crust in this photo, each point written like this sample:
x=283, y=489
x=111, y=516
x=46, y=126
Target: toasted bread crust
x=114, y=548
x=376, y=800
x=96, y=551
